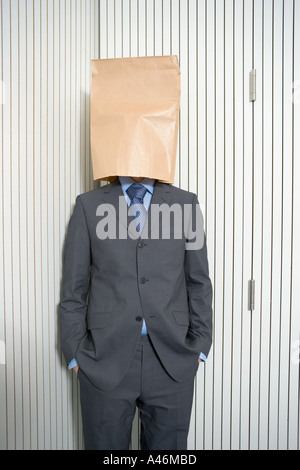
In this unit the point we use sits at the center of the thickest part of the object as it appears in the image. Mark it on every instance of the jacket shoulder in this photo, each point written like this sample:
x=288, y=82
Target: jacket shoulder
x=181, y=194
x=94, y=193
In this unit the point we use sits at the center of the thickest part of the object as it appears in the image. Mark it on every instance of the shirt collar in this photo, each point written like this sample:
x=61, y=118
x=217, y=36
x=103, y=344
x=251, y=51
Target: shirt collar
x=126, y=181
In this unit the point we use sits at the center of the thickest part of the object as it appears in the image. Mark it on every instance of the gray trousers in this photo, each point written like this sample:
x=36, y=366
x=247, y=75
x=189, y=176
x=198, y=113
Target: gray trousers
x=165, y=407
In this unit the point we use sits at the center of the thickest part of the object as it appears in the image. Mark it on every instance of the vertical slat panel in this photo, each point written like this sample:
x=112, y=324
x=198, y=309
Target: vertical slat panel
x=40, y=106
x=209, y=200
x=192, y=97
x=247, y=228
x=81, y=94
x=218, y=229
x=264, y=289
x=158, y=27
x=15, y=229
x=276, y=223
x=48, y=359
x=294, y=366
x=110, y=29
x=192, y=145
x=126, y=28
x=184, y=109
x=257, y=228
x=48, y=179
x=72, y=111
x=66, y=166
x=3, y=100
x=150, y=21
x=54, y=187
x=134, y=28
x=62, y=64
x=24, y=363
x=31, y=260
x=64, y=55
x=87, y=20
x=103, y=27
x=228, y=225
x=142, y=28
x=287, y=177
x=166, y=27
x=118, y=27
x=237, y=288
x=201, y=186
x=36, y=176
x=7, y=178
x=175, y=28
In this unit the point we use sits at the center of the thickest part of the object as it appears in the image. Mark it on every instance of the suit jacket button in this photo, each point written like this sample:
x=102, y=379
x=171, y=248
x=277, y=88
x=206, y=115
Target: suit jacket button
x=143, y=280
x=138, y=318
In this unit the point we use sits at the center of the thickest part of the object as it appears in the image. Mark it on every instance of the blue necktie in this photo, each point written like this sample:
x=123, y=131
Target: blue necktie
x=136, y=193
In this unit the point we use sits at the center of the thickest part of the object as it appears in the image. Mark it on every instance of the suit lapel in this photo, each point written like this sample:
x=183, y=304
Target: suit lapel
x=113, y=195
x=161, y=195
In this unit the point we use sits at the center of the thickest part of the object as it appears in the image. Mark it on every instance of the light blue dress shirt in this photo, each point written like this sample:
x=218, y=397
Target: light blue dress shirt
x=126, y=181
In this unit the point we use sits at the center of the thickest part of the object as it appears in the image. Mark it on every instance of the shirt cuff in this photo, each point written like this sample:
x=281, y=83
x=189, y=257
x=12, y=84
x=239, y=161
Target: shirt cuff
x=202, y=357
x=72, y=363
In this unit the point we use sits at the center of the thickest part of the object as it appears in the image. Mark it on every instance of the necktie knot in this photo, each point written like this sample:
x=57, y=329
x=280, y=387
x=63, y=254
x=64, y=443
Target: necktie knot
x=136, y=193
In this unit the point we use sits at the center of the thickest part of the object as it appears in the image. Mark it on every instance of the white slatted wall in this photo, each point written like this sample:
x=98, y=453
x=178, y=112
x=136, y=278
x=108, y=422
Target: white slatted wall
x=241, y=158
x=46, y=47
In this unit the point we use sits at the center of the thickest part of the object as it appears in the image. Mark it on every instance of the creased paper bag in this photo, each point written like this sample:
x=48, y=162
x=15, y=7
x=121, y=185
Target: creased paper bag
x=134, y=108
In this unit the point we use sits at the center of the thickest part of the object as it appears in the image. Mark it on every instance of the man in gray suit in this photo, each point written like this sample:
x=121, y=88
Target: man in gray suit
x=135, y=312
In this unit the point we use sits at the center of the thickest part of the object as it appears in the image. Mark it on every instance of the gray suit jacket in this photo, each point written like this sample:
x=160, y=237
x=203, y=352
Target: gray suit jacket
x=109, y=285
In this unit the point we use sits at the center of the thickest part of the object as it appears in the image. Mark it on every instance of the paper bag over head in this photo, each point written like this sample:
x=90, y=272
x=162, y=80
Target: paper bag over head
x=134, y=117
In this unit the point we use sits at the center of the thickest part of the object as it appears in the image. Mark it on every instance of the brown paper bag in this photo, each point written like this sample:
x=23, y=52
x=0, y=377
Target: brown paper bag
x=134, y=117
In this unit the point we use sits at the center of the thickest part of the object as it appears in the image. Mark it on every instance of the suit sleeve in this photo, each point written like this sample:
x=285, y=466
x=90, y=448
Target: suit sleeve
x=75, y=283
x=199, y=287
